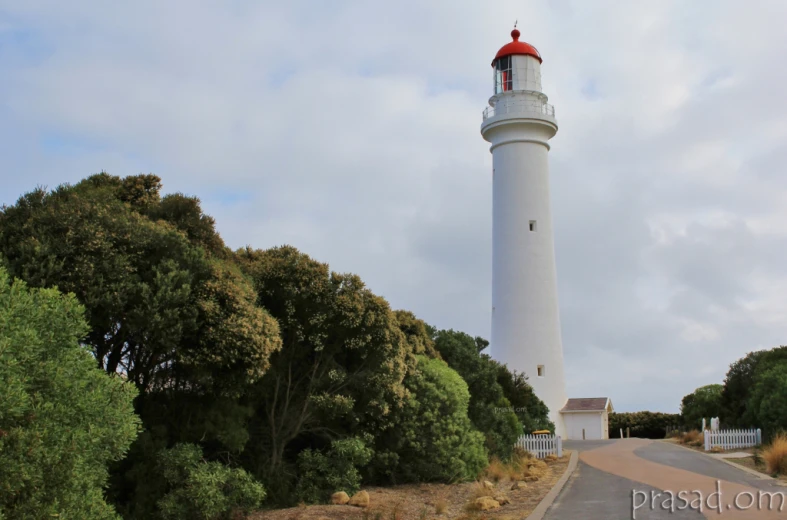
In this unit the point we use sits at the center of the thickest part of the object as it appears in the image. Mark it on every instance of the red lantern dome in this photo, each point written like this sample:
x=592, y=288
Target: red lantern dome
x=517, y=47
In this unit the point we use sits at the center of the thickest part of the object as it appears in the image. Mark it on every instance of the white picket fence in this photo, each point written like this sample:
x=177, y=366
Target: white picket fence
x=732, y=439
x=541, y=445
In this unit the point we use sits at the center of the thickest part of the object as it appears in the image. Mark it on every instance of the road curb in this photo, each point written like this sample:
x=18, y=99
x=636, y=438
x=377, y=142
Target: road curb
x=713, y=456
x=542, y=507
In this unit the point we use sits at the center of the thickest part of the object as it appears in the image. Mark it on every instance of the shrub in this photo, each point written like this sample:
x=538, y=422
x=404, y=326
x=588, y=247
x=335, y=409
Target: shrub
x=322, y=474
x=646, y=425
x=205, y=490
x=62, y=420
x=489, y=409
x=775, y=455
x=434, y=439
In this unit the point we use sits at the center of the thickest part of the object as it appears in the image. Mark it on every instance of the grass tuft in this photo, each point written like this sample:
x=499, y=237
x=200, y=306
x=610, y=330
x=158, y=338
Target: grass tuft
x=693, y=438
x=775, y=455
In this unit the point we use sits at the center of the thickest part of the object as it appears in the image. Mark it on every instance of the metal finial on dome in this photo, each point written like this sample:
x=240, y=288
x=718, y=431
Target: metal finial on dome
x=515, y=35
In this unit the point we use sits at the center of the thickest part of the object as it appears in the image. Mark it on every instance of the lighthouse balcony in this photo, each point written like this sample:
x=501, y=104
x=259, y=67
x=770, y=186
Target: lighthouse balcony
x=529, y=107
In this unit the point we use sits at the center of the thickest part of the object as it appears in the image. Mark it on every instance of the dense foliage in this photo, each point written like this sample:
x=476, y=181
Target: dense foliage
x=320, y=473
x=201, y=490
x=259, y=373
x=489, y=409
x=531, y=411
x=434, y=440
x=738, y=409
x=767, y=403
x=647, y=425
x=704, y=402
x=61, y=418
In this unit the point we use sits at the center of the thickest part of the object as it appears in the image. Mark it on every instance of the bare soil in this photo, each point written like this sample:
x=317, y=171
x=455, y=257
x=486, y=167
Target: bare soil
x=419, y=501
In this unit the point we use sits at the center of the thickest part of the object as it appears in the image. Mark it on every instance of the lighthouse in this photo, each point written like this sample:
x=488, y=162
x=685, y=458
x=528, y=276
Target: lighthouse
x=525, y=317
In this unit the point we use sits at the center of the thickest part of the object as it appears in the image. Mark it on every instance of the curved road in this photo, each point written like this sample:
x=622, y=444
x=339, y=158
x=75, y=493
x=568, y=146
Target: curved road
x=640, y=478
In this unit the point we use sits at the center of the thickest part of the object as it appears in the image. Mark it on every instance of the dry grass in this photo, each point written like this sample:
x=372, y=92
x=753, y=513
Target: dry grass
x=693, y=438
x=497, y=470
x=479, y=490
x=775, y=455
x=439, y=501
x=522, y=464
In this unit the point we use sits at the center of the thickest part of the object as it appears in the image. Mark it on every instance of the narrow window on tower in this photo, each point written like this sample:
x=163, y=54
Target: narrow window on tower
x=532, y=225
x=540, y=370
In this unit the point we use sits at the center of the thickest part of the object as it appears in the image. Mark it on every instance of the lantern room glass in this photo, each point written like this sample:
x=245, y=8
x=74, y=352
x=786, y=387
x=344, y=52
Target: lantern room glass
x=504, y=80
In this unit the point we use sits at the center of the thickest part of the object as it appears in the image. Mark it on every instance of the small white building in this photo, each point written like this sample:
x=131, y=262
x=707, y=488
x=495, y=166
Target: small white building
x=587, y=418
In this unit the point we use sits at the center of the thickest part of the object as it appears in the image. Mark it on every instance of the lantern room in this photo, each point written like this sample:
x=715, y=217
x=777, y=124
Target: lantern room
x=517, y=66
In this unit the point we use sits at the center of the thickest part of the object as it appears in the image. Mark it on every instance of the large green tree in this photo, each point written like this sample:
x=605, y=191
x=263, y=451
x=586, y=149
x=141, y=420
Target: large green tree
x=167, y=306
x=339, y=372
x=739, y=382
x=163, y=310
x=767, y=404
x=704, y=402
x=62, y=420
x=489, y=410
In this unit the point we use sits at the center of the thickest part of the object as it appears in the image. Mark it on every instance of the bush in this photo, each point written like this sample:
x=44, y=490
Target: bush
x=322, y=474
x=434, y=439
x=646, y=425
x=489, y=410
x=775, y=455
x=205, y=490
x=62, y=420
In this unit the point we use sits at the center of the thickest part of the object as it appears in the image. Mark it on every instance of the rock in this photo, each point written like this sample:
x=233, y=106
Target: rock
x=520, y=484
x=340, y=498
x=502, y=500
x=531, y=478
x=486, y=503
x=360, y=499
x=488, y=485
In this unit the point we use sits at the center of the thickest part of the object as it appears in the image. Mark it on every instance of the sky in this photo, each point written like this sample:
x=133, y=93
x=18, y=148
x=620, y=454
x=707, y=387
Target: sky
x=351, y=130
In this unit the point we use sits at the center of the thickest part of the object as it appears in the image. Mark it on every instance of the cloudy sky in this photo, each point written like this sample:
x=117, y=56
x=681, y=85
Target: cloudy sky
x=352, y=132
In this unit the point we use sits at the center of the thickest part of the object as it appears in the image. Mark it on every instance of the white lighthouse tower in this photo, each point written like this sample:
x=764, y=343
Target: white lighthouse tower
x=525, y=318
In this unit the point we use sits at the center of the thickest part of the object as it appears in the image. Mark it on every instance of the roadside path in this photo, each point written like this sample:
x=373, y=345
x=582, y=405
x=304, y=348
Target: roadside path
x=618, y=479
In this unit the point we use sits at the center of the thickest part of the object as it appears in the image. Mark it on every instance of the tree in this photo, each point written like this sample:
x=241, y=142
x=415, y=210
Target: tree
x=339, y=372
x=767, y=405
x=737, y=384
x=740, y=379
x=704, y=402
x=417, y=333
x=489, y=410
x=168, y=310
x=62, y=420
x=163, y=311
x=434, y=439
x=531, y=411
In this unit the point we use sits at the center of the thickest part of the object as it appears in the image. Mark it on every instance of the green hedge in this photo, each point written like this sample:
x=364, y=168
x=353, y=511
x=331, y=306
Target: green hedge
x=647, y=425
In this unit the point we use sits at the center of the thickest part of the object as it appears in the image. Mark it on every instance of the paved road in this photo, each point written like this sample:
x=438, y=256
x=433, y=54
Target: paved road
x=614, y=476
